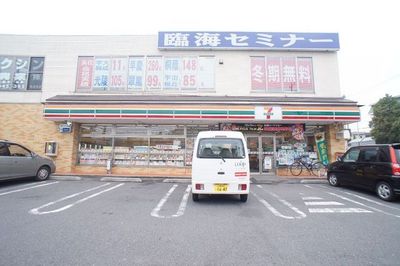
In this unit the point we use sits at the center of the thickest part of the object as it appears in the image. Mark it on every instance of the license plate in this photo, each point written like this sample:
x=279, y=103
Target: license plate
x=220, y=187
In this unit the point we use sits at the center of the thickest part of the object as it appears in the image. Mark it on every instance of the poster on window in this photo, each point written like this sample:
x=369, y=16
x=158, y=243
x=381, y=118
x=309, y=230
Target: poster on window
x=135, y=73
x=20, y=79
x=171, y=73
x=206, y=73
x=35, y=81
x=189, y=73
x=6, y=68
x=274, y=80
x=118, y=73
x=36, y=65
x=154, y=72
x=101, y=74
x=289, y=74
x=258, y=74
x=305, y=75
x=84, y=73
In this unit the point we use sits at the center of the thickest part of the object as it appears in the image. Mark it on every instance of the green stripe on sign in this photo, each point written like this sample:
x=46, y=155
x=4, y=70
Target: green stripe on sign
x=56, y=111
x=214, y=112
x=134, y=111
x=294, y=113
x=348, y=113
x=317, y=113
x=82, y=111
x=187, y=112
x=241, y=112
x=102, y=111
x=163, y=112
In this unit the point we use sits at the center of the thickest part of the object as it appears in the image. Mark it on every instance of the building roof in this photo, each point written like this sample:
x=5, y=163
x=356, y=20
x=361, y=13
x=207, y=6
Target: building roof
x=193, y=99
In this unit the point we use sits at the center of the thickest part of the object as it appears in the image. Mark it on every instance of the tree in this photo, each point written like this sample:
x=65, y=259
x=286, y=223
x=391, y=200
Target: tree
x=385, y=122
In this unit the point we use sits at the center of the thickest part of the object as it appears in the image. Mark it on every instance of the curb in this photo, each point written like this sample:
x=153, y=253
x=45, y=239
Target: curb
x=177, y=180
x=317, y=181
x=121, y=179
x=66, y=178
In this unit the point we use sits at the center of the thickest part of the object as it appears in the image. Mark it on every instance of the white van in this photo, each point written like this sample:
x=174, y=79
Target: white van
x=220, y=164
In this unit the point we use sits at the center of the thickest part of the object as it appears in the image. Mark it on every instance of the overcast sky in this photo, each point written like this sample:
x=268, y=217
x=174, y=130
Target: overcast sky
x=369, y=32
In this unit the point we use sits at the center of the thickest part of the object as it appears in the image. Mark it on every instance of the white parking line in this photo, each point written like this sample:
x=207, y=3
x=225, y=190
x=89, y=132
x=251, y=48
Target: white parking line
x=37, y=212
x=182, y=206
x=322, y=203
x=23, y=189
x=372, y=201
x=338, y=210
x=269, y=207
x=301, y=214
x=312, y=198
x=364, y=205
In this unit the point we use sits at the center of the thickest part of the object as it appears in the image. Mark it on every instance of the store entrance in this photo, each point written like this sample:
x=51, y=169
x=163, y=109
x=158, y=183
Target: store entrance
x=261, y=154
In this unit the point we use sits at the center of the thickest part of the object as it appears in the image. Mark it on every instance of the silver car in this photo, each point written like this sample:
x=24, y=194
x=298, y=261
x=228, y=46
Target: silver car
x=17, y=161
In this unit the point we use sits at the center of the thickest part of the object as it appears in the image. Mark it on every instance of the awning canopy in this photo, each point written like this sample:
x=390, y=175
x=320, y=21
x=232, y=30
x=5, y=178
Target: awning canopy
x=146, y=108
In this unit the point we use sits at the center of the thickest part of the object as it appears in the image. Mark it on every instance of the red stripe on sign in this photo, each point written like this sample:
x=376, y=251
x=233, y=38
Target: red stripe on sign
x=240, y=117
x=133, y=116
x=108, y=116
x=321, y=118
x=240, y=173
x=187, y=116
x=82, y=115
x=215, y=116
x=347, y=118
x=295, y=117
x=46, y=115
x=160, y=116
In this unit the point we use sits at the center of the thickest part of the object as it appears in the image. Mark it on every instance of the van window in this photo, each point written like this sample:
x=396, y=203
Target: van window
x=218, y=147
x=397, y=152
x=351, y=155
x=369, y=154
x=4, y=150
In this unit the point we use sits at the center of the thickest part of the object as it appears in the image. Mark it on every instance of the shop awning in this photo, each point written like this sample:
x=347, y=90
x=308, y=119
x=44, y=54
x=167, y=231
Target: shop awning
x=127, y=108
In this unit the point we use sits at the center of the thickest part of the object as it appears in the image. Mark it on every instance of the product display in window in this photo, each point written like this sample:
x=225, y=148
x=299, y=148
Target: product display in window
x=94, y=154
x=167, y=152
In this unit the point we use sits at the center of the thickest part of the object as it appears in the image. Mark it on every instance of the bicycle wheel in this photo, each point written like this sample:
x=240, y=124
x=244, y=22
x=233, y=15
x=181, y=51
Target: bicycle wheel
x=318, y=169
x=296, y=168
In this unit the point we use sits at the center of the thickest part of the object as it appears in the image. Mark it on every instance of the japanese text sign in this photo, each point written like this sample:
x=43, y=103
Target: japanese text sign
x=249, y=40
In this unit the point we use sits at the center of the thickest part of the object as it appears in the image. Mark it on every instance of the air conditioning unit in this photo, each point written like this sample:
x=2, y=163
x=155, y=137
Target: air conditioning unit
x=343, y=134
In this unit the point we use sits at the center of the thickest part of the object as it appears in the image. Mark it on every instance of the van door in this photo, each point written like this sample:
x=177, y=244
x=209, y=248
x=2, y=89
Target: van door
x=366, y=170
x=22, y=162
x=348, y=168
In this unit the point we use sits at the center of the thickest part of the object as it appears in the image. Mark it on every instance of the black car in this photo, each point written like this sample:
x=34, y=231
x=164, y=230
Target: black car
x=374, y=167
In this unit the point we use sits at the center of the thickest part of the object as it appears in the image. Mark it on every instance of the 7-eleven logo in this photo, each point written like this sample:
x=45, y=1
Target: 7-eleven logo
x=268, y=113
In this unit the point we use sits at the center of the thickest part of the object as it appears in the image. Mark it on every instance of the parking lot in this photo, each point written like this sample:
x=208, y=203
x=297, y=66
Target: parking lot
x=114, y=223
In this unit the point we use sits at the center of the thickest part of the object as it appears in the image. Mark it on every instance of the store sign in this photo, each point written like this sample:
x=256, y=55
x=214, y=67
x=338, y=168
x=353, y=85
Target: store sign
x=249, y=40
x=268, y=113
x=261, y=127
x=322, y=147
x=65, y=128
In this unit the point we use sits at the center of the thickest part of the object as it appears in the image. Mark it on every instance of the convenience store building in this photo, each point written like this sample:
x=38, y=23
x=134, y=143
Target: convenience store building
x=133, y=105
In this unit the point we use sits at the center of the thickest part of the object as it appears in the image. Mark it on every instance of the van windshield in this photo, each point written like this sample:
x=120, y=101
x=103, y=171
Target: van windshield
x=220, y=148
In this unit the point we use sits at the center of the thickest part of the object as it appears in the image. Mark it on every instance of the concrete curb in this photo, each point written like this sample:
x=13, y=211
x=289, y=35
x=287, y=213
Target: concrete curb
x=66, y=178
x=121, y=179
x=316, y=181
x=177, y=180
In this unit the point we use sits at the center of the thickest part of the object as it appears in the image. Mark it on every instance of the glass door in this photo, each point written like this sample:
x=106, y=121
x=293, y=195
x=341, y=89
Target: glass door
x=267, y=154
x=254, y=158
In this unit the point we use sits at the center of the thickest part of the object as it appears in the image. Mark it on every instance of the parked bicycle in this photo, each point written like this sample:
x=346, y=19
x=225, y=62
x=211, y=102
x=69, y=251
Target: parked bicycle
x=315, y=168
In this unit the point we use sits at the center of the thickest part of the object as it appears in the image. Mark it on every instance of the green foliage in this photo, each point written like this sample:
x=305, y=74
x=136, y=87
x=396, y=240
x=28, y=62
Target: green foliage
x=385, y=122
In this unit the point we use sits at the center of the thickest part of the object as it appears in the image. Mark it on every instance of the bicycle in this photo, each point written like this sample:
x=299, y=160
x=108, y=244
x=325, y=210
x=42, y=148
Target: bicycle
x=315, y=168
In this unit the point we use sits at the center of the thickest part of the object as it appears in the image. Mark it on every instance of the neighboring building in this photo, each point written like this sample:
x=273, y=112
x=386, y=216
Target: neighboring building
x=139, y=101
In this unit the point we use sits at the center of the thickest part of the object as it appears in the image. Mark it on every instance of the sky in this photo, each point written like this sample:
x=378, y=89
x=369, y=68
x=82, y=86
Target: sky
x=369, y=32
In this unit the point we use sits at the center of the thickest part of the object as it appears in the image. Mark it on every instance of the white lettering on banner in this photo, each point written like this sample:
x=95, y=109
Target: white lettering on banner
x=237, y=40
x=176, y=39
x=207, y=39
x=292, y=40
x=265, y=39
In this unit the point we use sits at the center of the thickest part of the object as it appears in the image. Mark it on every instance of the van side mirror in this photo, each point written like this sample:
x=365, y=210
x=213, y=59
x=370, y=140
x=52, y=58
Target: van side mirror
x=339, y=159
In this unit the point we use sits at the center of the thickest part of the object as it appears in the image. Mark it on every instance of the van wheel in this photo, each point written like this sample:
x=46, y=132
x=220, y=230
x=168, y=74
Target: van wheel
x=43, y=173
x=195, y=197
x=384, y=191
x=243, y=197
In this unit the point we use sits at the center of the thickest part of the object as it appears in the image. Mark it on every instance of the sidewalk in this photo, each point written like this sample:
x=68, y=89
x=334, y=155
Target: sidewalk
x=255, y=179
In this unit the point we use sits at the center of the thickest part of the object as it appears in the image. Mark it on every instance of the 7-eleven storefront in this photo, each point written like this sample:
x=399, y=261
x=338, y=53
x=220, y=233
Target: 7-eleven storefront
x=144, y=136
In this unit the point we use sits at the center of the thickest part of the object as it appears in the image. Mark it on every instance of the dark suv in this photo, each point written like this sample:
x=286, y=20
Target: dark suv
x=374, y=167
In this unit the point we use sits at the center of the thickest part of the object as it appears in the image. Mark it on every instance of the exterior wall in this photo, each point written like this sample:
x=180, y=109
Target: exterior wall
x=232, y=77
x=24, y=124
x=335, y=146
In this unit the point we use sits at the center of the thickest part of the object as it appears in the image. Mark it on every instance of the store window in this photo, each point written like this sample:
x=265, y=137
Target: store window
x=21, y=73
x=138, y=145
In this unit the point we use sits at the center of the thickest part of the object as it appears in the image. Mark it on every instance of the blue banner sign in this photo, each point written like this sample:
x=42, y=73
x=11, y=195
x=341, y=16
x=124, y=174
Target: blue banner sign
x=248, y=40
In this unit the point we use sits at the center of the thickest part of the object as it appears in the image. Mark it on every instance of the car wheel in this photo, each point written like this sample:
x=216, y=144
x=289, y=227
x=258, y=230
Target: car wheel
x=243, y=197
x=43, y=173
x=195, y=197
x=384, y=191
x=333, y=180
